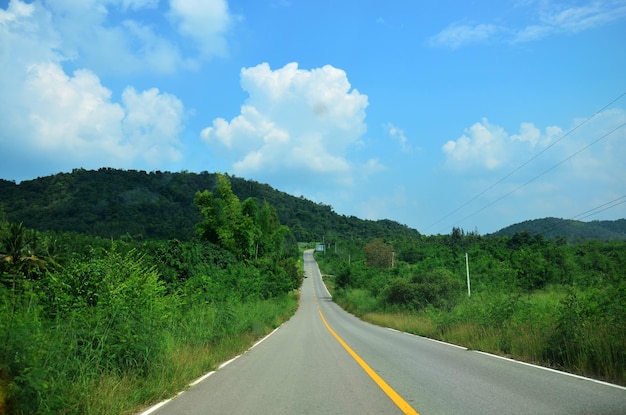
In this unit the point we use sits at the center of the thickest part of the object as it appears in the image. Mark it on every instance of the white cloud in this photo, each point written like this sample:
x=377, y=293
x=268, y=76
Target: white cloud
x=457, y=35
x=548, y=18
x=27, y=33
x=398, y=135
x=531, y=134
x=555, y=18
x=295, y=123
x=74, y=117
x=482, y=145
x=51, y=118
x=92, y=38
x=139, y=4
x=152, y=124
x=488, y=146
x=116, y=37
x=577, y=18
x=550, y=172
x=204, y=21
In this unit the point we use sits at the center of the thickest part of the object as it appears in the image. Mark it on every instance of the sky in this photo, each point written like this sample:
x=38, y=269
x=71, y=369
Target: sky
x=432, y=113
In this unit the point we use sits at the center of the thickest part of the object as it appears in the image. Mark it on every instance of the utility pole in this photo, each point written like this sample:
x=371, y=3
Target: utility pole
x=469, y=291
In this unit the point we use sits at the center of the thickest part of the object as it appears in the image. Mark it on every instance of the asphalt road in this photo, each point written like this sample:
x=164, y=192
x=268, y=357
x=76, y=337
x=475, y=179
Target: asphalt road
x=318, y=363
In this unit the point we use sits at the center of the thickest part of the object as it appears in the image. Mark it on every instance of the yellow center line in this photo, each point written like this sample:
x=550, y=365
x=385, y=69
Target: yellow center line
x=392, y=394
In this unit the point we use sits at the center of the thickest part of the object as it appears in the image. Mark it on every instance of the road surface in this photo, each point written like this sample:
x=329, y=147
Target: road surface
x=326, y=361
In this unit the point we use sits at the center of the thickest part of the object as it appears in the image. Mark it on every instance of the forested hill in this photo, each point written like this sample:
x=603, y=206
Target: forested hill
x=113, y=203
x=571, y=230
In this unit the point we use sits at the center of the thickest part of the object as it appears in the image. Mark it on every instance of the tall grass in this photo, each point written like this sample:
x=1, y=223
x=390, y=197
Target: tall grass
x=121, y=347
x=544, y=327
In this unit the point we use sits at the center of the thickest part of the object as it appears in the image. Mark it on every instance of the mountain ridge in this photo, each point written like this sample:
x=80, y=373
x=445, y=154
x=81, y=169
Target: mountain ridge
x=569, y=229
x=112, y=203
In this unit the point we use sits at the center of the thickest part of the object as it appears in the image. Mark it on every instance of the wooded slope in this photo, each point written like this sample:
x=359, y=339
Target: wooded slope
x=571, y=230
x=113, y=203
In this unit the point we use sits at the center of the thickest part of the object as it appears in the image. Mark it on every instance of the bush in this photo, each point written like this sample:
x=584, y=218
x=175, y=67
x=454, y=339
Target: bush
x=437, y=288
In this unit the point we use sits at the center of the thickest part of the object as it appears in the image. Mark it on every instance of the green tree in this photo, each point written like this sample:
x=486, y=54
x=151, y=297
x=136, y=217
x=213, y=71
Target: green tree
x=378, y=254
x=226, y=222
x=18, y=258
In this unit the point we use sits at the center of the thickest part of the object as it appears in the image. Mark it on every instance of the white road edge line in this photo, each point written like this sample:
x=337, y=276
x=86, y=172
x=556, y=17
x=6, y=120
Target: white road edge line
x=446, y=343
x=260, y=341
x=429, y=339
x=155, y=407
x=513, y=360
x=551, y=370
x=317, y=268
x=205, y=376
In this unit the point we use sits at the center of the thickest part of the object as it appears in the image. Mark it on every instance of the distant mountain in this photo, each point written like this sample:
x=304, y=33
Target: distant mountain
x=571, y=230
x=112, y=203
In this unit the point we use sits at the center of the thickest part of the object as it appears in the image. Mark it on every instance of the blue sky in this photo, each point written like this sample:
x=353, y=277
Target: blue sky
x=435, y=114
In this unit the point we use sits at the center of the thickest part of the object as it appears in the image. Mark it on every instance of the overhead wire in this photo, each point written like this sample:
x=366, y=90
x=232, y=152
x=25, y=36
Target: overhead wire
x=590, y=212
x=544, y=172
x=585, y=121
x=612, y=203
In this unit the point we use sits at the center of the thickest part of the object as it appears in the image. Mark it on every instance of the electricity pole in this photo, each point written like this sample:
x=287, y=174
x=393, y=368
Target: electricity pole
x=469, y=291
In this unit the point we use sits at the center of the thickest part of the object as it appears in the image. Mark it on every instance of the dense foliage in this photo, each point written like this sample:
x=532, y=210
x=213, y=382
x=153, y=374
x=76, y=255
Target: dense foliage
x=547, y=301
x=115, y=203
x=81, y=315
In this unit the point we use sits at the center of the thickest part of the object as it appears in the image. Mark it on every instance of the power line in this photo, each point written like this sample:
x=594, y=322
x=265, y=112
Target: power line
x=526, y=162
x=612, y=203
x=591, y=212
x=541, y=174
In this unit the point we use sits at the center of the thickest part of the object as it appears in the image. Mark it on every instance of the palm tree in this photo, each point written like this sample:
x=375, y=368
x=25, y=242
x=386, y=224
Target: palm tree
x=18, y=257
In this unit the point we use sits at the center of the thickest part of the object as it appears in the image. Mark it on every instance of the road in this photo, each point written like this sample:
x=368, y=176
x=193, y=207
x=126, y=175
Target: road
x=326, y=361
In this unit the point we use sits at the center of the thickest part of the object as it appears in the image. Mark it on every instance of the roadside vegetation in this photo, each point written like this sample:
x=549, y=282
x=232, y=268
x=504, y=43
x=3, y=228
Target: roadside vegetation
x=118, y=288
x=100, y=326
x=543, y=301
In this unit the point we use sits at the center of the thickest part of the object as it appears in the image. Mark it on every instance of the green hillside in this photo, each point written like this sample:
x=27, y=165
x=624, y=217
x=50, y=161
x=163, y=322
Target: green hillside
x=571, y=230
x=112, y=203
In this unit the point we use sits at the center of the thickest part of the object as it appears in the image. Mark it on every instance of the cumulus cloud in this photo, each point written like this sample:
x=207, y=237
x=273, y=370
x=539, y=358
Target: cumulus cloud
x=488, y=146
x=482, y=145
x=152, y=124
x=74, y=117
x=552, y=172
x=114, y=37
x=51, y=118
x=532, y=135
x=590, y=151
x=295, y=122
x=90, y=38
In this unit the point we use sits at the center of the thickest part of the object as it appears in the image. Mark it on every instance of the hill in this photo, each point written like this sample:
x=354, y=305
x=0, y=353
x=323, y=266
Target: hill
x=571, y=230
x=113, y=203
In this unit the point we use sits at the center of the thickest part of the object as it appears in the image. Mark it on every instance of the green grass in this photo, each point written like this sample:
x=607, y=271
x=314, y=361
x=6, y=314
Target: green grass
x=525, y=327
x=79, y=381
